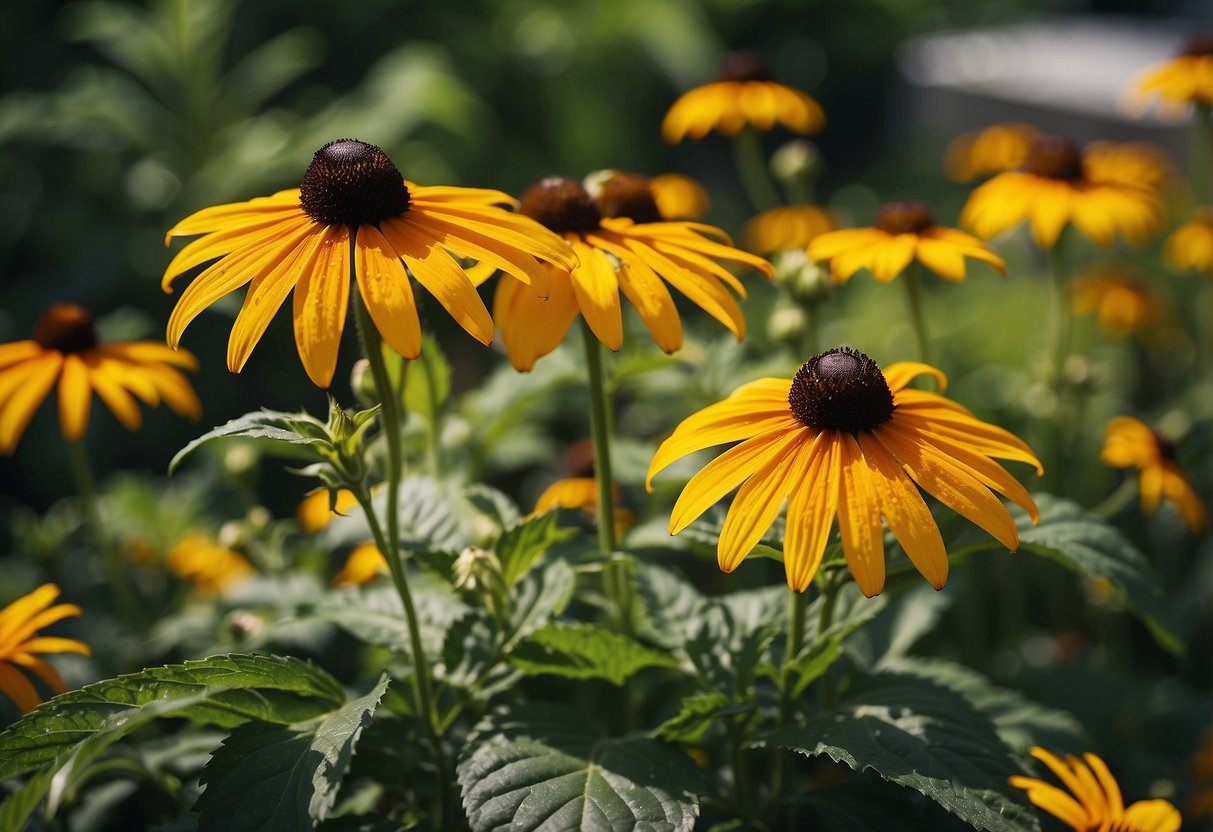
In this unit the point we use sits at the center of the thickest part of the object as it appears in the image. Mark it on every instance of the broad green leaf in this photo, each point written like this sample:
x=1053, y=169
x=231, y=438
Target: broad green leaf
x=700, y=712
x=520, y=546
x=543, y=593
x=1089, y=545
x=493, y=504
x=469, y=649
x=668, y=604
x=542, y=767
x=897, y=622
x=17, y=808
x=427, y=519
x=276, y=432
x=222, y=690
x=585, y=651
x=268, y=777
x=923, y=736
x=813, y=662
x=427, y=382
x=729, y=638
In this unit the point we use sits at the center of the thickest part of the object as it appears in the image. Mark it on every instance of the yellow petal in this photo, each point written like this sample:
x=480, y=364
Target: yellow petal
x=758, y=503
x=386, y=291
x=75, y=398
x=859, y=519
x=19, y=406
x=811, y=509
x=321, y=298
x=530, y=326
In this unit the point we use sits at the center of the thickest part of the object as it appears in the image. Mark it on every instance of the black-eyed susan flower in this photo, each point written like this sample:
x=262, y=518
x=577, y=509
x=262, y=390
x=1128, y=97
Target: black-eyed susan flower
x=20, y=645
x=786, y=228
x=679, y=197
x=1053, y=189
x=66, y=352
x=1091, y=800
x=621, y=246
x=211, y=567
x=317, y=509
x=1130, y=443
x=1133, y=163
x=364, y=564
x=744, y=95
x=1182, y=82
x=580, y=493
x=1121, y=302
x=990, y=150
x=904, y=232
x=1190, y=247
x=842, y=438
x=354, y=214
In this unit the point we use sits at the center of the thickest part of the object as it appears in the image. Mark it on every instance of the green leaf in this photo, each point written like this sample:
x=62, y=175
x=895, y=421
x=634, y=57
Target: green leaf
x=537, y=597
x=700, y=712
x=520, y=546
x=493, y=504
x=375, y=615
x=17, y=808
x=584, y=651
x=427, y=382
x=222, y=690
x=668, y=605
x=1089, y=545
x=427, y=519
x=728, y=640
x=276, y=431
x=469, y=649
x=273, y=777
x=925, y=737
x=542, y=767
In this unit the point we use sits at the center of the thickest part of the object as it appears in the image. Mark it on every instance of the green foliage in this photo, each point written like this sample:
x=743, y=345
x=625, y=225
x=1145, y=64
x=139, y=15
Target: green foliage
x=542, y=767
x=521, y=545
x=427, y=383
x=585, y=651
x=426, y=514
x=699, y=712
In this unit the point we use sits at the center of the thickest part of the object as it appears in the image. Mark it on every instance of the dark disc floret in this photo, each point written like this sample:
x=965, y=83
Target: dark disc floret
x=744, y=66
x=352, y=183
x=1166, y=448
x=1198, y=45
x=66, y=327
x=1054, y=157
x=841, y=389
x=628, y=195
x=904, y=218
x=561, y=205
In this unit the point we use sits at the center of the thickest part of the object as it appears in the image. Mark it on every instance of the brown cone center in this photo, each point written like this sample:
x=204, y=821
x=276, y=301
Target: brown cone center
x=1054, y=158
x=352, y=183
x=561, y=205
x=744, y=66
x=66, y=327
x=628, y=195
x=1198, y=45
x=904, y=218
x=841, y=390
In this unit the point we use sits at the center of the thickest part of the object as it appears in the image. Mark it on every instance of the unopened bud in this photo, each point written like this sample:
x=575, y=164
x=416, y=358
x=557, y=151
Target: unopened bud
x=796, y=160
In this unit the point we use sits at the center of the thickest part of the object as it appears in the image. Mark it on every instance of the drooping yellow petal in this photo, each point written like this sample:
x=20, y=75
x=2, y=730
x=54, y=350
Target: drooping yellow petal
x=18, y=407
x=386, y=291
x=758, y=503
x=811, y=509
x=1153, y=816
x=899, y=375
x=859, y=519
x=75, y=398
x=1054, y=801
x=18, y=351
x=597, y=290
x=110, y=390
x=718, y=424
x=18, y=688
x=320, y=302
x=530, y=326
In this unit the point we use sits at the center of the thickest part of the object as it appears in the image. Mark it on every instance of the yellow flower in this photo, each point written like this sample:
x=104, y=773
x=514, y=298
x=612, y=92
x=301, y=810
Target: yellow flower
x=65, y=350
x=582, y=493
x=744, y=95
x=198, y=558
x=1179, y=83
x=621, y=245
x=1055, y=187
x=354, y=213
x=904, y=232
x=679, y=197
x=994, y=149
x=786, y=228
x=843, y=438
x=1094, y=802
x=1129, y=443
x=364, y=564
x=1190, y=247
x=20, y=642
x=1133, y=163
x=314, y=512
x=1121, y=301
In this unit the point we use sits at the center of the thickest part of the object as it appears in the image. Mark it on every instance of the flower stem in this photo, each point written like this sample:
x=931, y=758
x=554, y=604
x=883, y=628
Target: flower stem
x=389, y=543
x=1060, y=337
x=797, y=602
x=912, y=277
x=1118, y=500
x=615, y=570
x=1200, y=153
x=752, y=168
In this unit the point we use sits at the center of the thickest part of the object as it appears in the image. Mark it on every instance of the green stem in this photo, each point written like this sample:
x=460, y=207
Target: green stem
x=912, y=277
x=797, y=602
x=810, y=338
x=1060, y=336
x=825, y=617
x=741, y=774
x=434, y=446
x=1200, y=153
x=752, y=168
x=1118, y=500
x=389, y=543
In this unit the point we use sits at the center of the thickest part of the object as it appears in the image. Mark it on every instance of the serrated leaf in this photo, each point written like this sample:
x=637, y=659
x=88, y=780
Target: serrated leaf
x=274, y=431
x=375, y=615
x=1089, y=545
x=426, y=517
x=469, y=649
x=668, y=605
x=727, y=642
x=222, y=690
x=897, y=622
x=700, y=712
x=542, y=767
x=538, y=597
x=923, y=736
x=585, y=651
x=269, y=777
x=492, y=503
x=520, y=546
x=427, y=382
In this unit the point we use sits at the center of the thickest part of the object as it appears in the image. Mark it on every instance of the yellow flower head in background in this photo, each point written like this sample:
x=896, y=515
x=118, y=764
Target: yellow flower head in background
x=354, y=212
x=1190, y=247
x=1121, y=301
x=1055, y=187
x=1093, y=802
x=1130, y=443
x=622, y=245
x=314, y=512
x=904, y=232
x=1177, y=84
x=582, y=493
x=745, y=94
x=786, y=228
x=199, y=558
x=993, y=149
x=20, y=643
x=679, y=197
x=65, y=350
x=364, y=564
x=844, y=438
x=1133, y=163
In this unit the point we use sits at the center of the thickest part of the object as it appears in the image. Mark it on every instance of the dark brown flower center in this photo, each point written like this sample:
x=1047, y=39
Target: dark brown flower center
x=1166, y=448
x=561, y=205
x=1054, y=158
x=628, y=195
x=66, y=327
x=904, y=218
x=1198, y=45
x=842, y=390
x=744, y=66
x=352, y=183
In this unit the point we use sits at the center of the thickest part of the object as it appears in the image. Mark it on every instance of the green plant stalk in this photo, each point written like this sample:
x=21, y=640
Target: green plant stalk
x=912, y=278
x=1118, y=500
x=741, y=773
x=389, y=544
x=1060, y=334
x=825, y=617
x=810, y=337
x=434, y=445
x=752, y=168
x=615, y=577
x=797, y=603
x=1200, y=153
